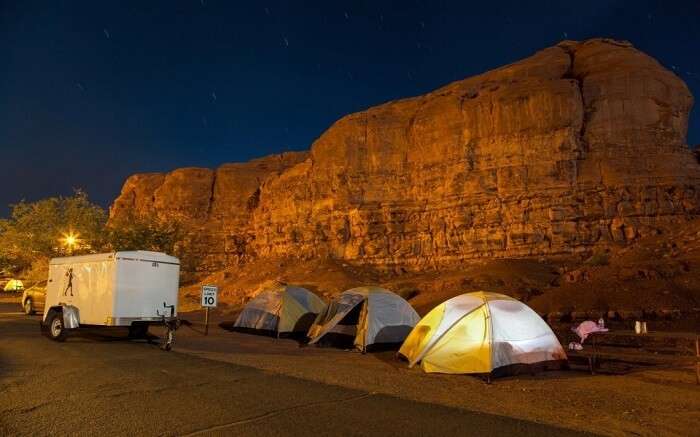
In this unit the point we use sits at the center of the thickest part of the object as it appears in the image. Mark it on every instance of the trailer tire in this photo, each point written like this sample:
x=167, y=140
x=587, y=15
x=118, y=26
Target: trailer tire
x=56, y=330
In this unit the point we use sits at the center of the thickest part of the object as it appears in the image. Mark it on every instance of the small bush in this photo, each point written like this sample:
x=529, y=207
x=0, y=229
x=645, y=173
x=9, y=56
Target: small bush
x=598, y=259
x=407, y=292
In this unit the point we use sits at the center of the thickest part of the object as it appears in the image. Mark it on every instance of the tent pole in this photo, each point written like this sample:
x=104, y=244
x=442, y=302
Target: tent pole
x=490, y=336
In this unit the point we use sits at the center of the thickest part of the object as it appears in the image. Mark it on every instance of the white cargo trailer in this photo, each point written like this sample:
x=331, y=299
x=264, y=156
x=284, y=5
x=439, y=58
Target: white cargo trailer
x=130, y=289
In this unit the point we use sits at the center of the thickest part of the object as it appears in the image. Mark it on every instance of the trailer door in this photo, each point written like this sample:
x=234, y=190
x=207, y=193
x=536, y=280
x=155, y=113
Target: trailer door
x=142, y=286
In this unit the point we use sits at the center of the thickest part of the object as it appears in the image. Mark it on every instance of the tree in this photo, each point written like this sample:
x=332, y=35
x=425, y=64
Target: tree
x=61, y=226
x=137, y=232
x=39, y=229
x=149, y=232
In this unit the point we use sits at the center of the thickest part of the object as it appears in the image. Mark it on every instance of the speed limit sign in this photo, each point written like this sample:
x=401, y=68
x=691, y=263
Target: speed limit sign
x=209, y=293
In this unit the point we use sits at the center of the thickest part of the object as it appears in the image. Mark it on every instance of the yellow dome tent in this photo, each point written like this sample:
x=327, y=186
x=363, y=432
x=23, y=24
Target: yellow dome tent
x=14, y=285
x=479, y=333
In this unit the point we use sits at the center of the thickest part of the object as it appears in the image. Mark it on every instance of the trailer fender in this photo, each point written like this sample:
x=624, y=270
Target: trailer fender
x=71, y=316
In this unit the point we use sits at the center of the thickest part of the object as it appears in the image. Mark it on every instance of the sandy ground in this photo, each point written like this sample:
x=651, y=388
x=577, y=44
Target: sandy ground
x=102, y=384
x=649, y=402
x=654, y=401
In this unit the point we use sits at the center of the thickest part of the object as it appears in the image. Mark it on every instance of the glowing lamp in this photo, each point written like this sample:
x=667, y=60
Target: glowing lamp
x=70, y=240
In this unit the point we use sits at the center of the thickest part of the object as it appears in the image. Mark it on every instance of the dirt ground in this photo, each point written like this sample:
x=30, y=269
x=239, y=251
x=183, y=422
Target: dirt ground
x=656, y=279
x=654, y=401
x=648, y=401
x=100, y=383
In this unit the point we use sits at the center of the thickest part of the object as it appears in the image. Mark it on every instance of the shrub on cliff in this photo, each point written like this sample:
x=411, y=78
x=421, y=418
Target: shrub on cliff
x=148, y=232
x=135, y=232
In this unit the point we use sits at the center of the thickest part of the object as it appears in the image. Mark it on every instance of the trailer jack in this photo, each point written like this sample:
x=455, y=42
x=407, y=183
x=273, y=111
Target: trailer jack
x=171, y=324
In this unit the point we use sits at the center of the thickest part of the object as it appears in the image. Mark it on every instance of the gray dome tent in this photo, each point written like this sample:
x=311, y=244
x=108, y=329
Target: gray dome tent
x=279, y=311
x=364, y=317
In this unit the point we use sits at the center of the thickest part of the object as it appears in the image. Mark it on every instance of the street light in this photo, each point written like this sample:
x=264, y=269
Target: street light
x=70, y=240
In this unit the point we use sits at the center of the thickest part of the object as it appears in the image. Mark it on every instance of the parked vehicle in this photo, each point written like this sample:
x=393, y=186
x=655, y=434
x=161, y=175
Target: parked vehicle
x=33, y=298
x=131, y=289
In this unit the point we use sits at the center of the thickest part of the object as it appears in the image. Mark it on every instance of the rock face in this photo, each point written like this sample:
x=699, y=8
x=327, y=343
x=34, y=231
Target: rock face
x=578, y=146
x=215, y=205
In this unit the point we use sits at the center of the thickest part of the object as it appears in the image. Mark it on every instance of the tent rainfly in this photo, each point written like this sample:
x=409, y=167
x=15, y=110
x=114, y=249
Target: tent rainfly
x=482, y=332
x=364, y=317
x=280, y=311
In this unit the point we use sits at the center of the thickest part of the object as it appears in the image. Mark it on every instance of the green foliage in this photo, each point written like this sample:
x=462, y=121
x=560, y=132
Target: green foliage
x=144, y=233
x=36, y=232
x=151, y=233
x=35, y=229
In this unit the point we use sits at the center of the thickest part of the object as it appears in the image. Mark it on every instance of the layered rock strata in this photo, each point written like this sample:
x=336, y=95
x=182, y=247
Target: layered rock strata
x=578, y=146
x=215, y=206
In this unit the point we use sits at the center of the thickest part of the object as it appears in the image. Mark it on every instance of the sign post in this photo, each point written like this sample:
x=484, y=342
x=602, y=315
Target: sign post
x=209, y=300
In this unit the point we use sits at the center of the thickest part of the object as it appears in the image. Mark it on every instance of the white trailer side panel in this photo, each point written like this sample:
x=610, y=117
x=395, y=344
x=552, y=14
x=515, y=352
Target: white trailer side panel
x=143, y=284
x=85, y=284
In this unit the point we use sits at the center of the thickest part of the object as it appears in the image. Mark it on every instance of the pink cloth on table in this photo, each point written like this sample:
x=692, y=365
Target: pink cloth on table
x=587, y=328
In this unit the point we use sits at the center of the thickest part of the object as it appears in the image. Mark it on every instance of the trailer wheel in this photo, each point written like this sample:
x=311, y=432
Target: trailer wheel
x=56, y=330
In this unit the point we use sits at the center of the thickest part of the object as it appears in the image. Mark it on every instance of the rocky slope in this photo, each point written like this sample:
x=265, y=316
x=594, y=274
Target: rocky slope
x=653, y=278
x=579, y=146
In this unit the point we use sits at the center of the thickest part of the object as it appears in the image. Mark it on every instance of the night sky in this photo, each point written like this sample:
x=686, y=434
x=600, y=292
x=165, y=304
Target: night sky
x=91, y=92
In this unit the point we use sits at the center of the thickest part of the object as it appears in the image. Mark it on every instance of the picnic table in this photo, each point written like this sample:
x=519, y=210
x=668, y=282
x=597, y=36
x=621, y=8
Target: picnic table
x=655, y=347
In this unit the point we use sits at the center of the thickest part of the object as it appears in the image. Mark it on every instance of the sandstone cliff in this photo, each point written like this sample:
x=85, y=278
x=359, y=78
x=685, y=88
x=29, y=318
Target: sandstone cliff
x=215, y=205
x=578, y=146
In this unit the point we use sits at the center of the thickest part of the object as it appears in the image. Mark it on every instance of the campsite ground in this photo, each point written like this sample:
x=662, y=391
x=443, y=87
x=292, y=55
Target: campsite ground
x=228, y=382
x=645, y=402
x=105, y=385
x=656, y=278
